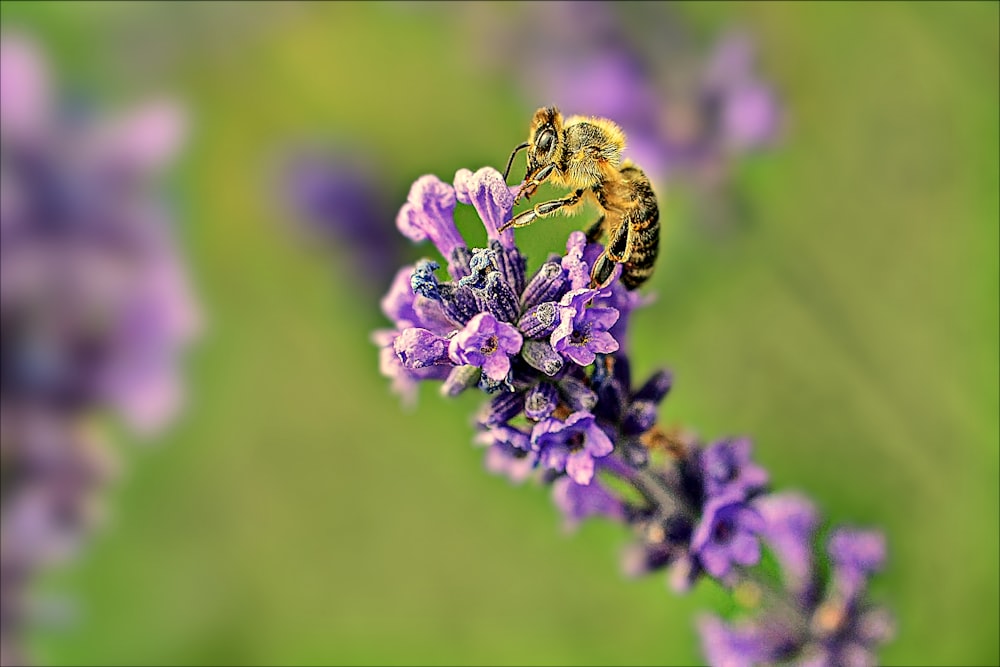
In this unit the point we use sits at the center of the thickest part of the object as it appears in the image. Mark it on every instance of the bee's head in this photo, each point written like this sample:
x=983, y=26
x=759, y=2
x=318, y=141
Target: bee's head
x=545, y=149
x=544, y=140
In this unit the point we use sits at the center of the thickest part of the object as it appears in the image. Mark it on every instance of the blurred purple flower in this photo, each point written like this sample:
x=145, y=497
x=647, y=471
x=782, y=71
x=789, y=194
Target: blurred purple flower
x=684, y=113
x=95, y=311
x=580, y=501
x=790, y=522
x=727, y=535
x=571, y=445
x=728, y=468
x=342, y=195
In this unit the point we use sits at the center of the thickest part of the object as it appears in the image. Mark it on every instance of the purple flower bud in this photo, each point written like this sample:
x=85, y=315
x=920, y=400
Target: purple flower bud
x=571, y=445
x=583, y=329
x=539, y=355
x=539, y=321
x=418, y=348
x=487, y=343
x=639, y=417
x=459, y=262
x=459, y=303
x=502, y=408
x=540, y=401
x=511, y=264
x=547, y=284
x=492, y=293
x=727, y=468
x=486, y=190
x=498, y=298
x=656, y=387
x=727, y=534
x=429, y=214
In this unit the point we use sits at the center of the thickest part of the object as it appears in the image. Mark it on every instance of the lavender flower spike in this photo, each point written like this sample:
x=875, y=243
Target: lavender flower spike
x=586, y=430
x=95, y=311
x=488, y=343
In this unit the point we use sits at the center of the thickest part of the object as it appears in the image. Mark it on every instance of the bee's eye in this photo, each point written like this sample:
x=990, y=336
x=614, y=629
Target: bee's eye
x=545, y=139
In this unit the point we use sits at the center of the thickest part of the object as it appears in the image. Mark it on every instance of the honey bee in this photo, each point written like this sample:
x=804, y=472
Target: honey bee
x=584, y=154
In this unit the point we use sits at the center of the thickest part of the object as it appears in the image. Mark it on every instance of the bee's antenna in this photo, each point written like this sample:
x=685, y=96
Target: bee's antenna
x=511, y=160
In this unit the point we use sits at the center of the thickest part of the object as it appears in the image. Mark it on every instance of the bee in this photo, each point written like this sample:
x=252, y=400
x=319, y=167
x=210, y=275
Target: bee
x=584, y=154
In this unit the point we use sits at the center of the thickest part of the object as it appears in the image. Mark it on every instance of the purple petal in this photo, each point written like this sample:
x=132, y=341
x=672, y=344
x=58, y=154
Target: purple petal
x=580, y=355
x=580, y=501
x=715, y=560
x=602, y=342
x=580, y=467
x=397, y=304
x=429, y=213
x=576, y=268
x=509, y=338
x=744, y=548
x=146, y=139
x=597, y=441
x=25, y=93
x=602, y=318
x=496, y=366
x=554, y=457
x=493, y=200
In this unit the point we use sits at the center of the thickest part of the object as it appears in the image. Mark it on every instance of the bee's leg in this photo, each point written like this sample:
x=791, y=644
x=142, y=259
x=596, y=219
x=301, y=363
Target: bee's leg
x=620, y=248
x=605, y=263
x=532, y=181
x=601, y=270
x=595, y=230
x=541, y=210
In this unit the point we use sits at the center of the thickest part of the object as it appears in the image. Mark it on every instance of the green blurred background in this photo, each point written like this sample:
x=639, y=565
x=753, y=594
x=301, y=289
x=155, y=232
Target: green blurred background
x=297, y=514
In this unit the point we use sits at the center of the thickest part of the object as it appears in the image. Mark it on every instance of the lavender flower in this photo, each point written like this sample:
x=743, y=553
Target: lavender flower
x=95, y=312
x=341, y=195
x=486, y=343
x=571, y=445
x=727, y=536
x=581, y=501
x=728, y=468
x=582, y=333
x=563, y=410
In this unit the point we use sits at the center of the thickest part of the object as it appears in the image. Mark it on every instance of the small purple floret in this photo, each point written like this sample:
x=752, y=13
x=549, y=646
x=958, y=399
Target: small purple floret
x=571, y=445
x=429, y=214
x=487, y=343
x=728, y=468
x=727, y=535
x=582, y=332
